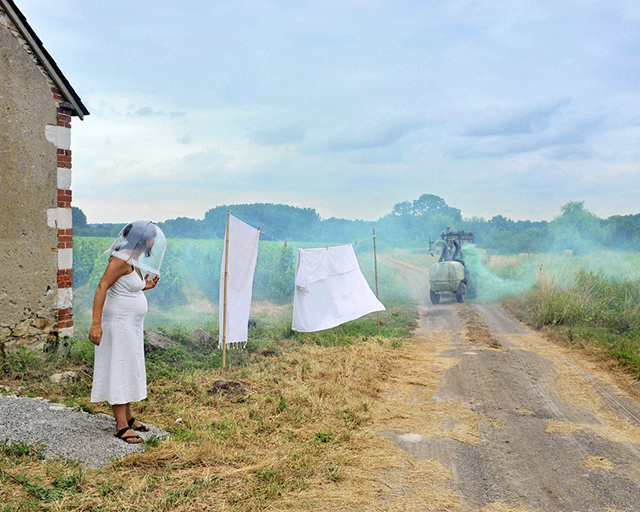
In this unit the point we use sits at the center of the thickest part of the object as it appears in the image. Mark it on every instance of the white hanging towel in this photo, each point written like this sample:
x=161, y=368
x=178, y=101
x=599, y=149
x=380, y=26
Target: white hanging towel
x=243, y=254
x=330, y=289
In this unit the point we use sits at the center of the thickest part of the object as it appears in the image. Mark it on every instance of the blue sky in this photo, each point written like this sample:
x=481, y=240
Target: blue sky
x=349, y=107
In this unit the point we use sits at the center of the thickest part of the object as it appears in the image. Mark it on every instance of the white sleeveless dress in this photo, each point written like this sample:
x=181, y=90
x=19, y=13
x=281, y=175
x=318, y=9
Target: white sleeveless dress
x=119, y=374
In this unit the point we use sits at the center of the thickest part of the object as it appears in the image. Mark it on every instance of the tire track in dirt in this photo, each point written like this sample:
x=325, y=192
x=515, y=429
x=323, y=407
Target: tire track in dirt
x=536, y=438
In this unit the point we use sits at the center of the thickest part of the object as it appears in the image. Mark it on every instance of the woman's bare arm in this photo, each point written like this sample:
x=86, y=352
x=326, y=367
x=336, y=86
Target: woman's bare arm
x=114, y=271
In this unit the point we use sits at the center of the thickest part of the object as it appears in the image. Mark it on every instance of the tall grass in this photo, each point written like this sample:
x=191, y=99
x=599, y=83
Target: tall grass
x=594, y=308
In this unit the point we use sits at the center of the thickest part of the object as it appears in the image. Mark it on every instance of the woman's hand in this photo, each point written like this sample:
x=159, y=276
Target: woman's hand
x=95, y=334
x=150, y=283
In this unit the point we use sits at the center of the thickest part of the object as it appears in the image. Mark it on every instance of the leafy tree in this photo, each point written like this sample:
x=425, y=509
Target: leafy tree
x=622, y=232
x=342, y=231
x=279, y=220
x=500, y=223
x=78, y=218
x=507, y=241
x=411, y=224
x=427, y=204
x=478, y=226
x=576, y=228
x=183, y=227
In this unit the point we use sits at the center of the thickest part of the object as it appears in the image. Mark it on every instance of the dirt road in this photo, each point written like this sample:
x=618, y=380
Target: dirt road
x=483, y=414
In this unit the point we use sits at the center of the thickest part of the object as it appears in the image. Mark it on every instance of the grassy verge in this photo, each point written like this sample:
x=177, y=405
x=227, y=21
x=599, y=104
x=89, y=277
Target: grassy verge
x=291, y=429
x=595, y=312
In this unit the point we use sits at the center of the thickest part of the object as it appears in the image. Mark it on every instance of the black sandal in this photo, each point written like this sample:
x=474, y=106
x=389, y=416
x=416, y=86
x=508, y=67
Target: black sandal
x=141, y=428
x=121, y=435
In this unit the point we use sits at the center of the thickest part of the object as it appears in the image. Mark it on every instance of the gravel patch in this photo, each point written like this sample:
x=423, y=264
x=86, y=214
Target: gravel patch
x=66, y=432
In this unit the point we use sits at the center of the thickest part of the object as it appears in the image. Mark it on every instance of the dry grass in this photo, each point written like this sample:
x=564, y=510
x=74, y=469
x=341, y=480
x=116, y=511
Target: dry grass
x=476, y=330
x=594, y=462
x=312, y=434
x=500, y=506
x=293, y=431
x=562, y=427
x=380, y=476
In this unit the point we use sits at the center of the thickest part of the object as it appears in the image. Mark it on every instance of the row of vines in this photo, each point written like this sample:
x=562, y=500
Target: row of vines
x=192, y=267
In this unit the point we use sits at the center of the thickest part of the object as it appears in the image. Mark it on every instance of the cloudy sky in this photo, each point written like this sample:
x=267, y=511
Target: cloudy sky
x=350, y=106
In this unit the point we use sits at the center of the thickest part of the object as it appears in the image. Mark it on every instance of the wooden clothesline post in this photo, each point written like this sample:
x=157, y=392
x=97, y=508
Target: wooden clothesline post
x=224, y=310
x=375, y=263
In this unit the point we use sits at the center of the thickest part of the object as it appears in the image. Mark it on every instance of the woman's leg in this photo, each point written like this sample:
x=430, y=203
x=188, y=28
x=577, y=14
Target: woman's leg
x=136, y=424
x=120, y=414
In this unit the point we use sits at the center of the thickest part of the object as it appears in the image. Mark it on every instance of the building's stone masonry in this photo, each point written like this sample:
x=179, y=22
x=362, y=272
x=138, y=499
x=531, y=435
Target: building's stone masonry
x=36, y=309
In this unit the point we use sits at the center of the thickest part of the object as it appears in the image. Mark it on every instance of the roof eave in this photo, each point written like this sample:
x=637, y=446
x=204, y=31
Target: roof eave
x=45, y=59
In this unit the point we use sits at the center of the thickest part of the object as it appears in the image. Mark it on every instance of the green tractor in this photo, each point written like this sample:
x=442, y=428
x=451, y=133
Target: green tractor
x=450, y=274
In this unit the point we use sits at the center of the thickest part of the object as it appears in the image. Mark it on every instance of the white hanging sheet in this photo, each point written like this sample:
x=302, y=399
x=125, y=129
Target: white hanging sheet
x=243, y=254
x=330, y=289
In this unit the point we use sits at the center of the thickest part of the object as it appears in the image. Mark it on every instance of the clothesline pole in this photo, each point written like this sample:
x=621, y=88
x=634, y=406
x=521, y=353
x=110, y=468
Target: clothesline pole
x=224, y=311
x=375, y=264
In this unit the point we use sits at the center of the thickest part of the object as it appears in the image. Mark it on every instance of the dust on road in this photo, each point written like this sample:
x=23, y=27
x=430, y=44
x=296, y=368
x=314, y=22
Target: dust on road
x=482, y=414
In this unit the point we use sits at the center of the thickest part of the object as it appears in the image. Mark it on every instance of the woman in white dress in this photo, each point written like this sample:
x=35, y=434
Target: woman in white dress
x=119, y=308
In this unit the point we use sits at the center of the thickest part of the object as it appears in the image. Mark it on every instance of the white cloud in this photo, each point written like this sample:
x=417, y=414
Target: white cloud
x=349, y=107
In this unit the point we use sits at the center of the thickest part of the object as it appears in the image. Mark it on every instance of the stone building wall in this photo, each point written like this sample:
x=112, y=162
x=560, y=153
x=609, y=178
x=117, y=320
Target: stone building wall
x=35, y=200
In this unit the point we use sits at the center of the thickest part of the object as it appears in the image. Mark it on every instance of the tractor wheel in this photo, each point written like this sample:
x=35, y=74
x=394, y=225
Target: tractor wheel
x=461, y=292
x=435, y=298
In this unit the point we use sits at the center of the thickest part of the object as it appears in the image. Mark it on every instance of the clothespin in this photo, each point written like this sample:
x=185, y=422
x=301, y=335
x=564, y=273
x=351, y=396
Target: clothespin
x=285, y=243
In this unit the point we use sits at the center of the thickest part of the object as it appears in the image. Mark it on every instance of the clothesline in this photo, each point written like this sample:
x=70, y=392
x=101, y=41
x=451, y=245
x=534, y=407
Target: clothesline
x=363, y=239
x=330, y=287
x=273, y=238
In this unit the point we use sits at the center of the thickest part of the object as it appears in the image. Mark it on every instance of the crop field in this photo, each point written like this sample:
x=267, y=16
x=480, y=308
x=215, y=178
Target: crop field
x=190, y=283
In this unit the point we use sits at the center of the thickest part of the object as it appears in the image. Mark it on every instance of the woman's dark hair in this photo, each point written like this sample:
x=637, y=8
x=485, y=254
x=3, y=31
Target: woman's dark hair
x=135, y=235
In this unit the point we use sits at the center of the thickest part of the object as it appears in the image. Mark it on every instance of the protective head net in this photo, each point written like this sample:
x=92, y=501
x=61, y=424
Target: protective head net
x=140, y=244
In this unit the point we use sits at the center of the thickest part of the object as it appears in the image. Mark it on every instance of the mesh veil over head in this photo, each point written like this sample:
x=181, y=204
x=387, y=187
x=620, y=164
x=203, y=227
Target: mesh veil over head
x=141, y=244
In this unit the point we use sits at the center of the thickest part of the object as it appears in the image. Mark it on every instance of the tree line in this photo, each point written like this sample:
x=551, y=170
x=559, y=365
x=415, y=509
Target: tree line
x=410, y=224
